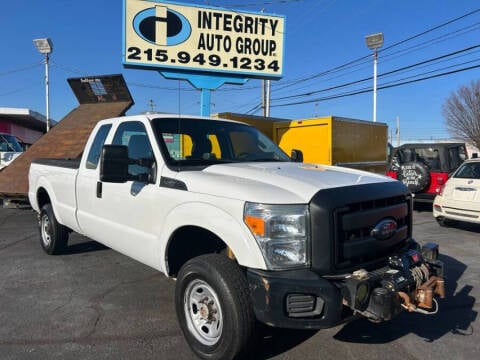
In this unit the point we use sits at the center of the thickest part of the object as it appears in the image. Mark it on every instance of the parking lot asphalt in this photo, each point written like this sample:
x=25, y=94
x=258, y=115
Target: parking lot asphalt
x=94, y=303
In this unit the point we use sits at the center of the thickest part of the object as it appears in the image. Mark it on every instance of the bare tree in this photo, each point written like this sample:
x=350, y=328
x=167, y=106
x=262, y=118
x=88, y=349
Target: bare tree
x=461, y=112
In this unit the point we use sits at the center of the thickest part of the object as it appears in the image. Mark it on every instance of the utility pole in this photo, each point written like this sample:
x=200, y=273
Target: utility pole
x=398, y=131
x=151, y=105
x=266, y=98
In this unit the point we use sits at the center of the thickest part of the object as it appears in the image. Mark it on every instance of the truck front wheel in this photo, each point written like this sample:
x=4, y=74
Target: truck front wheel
x=214, y=308
x=53, y=235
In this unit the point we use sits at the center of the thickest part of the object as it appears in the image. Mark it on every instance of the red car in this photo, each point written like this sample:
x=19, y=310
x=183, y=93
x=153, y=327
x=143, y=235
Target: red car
x=425, y=168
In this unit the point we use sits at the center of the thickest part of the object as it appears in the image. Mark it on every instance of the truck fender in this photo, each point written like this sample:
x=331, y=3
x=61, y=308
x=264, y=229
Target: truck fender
x=229, y=229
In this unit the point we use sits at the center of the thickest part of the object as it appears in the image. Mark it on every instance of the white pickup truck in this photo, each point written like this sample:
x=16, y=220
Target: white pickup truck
x=248, y=232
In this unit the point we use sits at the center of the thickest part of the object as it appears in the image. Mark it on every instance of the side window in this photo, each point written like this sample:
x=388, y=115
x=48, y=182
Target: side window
x=96, y=148
x=455, y=158
x=134, y=135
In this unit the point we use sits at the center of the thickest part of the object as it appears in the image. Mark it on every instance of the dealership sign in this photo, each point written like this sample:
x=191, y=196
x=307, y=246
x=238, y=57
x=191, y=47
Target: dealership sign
x=178, y=37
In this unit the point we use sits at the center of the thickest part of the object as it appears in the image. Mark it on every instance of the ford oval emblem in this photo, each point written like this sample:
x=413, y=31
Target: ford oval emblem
x=385, y=229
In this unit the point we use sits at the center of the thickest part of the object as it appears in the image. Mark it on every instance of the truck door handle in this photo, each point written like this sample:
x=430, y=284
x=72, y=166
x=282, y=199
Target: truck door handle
x=99, y=189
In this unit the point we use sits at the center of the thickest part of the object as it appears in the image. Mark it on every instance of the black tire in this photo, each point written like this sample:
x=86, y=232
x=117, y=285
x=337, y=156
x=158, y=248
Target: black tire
x=53, y=236
x=414, y=175
x=214, y=309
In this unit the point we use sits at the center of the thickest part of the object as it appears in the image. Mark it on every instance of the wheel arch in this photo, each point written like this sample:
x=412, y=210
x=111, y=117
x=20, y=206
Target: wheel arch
x=180, y=248
x=198, y=228
x=45, y=194
x=42, y=197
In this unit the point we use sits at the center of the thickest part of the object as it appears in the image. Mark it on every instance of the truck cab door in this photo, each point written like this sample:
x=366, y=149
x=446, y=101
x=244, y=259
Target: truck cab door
x=120, y=215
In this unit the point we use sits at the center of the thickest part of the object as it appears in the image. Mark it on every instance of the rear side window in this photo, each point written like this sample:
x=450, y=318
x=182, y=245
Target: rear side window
x=96, y=148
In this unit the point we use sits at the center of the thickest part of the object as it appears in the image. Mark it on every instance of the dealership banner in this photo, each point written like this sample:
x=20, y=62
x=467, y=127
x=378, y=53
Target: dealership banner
x=179, y=37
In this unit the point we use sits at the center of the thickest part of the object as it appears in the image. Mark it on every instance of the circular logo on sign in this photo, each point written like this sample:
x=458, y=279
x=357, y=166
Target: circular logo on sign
x=170, y=30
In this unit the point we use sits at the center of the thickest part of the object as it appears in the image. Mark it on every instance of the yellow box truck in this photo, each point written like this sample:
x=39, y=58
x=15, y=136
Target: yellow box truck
x=329, y=140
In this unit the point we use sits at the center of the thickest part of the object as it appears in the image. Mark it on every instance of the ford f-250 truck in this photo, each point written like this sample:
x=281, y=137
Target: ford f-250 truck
x=249, y=233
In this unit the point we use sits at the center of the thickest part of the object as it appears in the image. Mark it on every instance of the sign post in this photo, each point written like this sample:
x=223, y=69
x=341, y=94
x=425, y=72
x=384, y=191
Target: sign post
x=206, y=46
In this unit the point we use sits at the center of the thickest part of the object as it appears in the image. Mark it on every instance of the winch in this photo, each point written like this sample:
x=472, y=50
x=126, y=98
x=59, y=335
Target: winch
x=410, y=281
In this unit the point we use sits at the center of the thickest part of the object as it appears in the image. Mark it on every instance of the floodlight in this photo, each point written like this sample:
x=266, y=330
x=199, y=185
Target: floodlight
x=374, y=41
x=45, y=45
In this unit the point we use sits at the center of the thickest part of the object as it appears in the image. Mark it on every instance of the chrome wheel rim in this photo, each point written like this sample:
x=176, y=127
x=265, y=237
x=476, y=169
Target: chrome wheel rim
x=46, y=230
x=203, y=312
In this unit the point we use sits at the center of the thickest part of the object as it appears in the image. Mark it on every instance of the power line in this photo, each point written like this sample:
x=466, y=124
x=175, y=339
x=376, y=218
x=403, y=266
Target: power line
x=430, y=30
x=24, y=68
x=365, y=90
x=67, y=68
x=362, y=59
x=431, y=42
x=381, y=75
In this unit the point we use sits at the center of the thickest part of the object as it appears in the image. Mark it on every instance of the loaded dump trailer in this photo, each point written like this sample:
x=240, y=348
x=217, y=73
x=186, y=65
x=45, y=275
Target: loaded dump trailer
x=100, y=96
x=329, y=140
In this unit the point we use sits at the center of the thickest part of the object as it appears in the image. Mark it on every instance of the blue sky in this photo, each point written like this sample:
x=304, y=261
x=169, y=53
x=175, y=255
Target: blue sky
x=320, y=36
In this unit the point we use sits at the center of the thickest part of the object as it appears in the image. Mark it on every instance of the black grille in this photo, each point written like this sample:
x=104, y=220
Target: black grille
x=354, y=245
x=342, y=220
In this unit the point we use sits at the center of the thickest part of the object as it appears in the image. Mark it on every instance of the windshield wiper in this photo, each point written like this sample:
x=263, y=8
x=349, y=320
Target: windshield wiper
x=268, y=160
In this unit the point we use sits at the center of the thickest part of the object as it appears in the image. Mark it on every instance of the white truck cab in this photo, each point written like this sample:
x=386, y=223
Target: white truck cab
x=248, y=233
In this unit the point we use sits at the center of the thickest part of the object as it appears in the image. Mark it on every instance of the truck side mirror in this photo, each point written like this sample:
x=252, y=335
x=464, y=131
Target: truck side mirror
x=296, y=155
x=114, y=163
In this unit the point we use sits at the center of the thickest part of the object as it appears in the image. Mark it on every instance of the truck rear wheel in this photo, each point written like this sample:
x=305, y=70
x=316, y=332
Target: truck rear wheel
x=53, y=235
x=214, y=309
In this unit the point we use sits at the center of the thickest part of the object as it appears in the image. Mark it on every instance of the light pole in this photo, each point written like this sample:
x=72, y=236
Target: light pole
x=374, y=41
x=45, y=46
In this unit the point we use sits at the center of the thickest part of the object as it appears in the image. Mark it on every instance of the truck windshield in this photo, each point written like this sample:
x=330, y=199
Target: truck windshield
x=9, y=143
x=190, y=142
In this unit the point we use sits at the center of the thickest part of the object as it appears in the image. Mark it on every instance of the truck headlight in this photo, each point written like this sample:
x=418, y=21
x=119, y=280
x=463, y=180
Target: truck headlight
x=281, y=232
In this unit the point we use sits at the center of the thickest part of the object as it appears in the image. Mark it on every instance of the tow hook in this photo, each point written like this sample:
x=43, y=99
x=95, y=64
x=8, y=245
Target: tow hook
x=424, y=296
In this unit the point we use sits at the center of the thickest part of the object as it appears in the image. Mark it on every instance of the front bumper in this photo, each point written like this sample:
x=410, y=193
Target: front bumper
x=304, y=299
x=318, y=301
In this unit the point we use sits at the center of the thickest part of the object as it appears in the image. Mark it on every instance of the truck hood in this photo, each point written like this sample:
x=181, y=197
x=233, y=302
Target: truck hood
x=272, y=182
